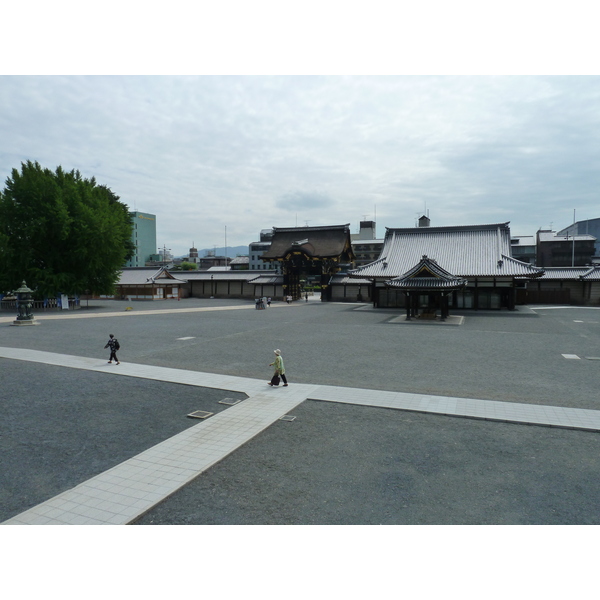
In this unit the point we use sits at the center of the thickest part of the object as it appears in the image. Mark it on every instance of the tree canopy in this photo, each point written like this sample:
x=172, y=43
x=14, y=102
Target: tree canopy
x=61, y=233
x=188, y=266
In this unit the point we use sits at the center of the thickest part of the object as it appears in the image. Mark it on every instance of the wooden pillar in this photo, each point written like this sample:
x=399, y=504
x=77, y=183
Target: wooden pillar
x=512, y=297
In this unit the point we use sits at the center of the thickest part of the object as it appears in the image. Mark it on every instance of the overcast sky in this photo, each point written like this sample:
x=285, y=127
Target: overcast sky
x=217, y=157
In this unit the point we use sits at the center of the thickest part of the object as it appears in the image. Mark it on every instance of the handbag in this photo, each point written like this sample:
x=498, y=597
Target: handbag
x=275, y=380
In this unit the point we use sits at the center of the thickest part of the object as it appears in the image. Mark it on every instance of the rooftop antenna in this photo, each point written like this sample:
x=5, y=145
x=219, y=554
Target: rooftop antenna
x=307, y=222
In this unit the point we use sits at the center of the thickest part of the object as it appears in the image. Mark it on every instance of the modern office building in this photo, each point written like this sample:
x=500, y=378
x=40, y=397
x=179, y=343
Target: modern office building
x=257, y=249
x=143, y=238
x=523, y=248
x=588, y=227
x=564, y=250
x=365, y=245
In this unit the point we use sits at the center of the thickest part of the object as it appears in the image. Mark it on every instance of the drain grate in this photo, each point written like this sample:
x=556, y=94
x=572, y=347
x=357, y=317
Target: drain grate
x=229, y=401
x=200, y=414
x=287, y=418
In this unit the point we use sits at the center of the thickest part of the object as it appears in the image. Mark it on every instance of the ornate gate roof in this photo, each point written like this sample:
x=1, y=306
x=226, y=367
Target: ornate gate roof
x=314, y=242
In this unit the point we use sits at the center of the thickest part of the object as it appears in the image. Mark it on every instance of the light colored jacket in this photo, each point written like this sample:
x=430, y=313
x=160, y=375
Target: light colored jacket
x=279, y=368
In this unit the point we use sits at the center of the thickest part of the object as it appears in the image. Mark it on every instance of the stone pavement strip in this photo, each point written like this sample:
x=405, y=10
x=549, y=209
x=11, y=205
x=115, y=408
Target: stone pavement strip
x=123, y=493
x=70, y=314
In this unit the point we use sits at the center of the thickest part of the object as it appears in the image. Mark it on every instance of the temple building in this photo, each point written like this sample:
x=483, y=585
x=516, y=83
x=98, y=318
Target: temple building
x=310, y=255
x=432, y=269
x=579, y=286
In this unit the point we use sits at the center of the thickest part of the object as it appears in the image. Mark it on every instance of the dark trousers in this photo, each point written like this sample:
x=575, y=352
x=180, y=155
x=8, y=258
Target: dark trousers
x=283, y=378
x=113, y=354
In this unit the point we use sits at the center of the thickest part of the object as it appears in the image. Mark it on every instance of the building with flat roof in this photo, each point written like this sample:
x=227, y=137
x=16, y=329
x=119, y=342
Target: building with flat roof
x=143, y=237
x=365, y=244
x=564, y=250
x=588, y=227
x=257, y=249
x=523, y=248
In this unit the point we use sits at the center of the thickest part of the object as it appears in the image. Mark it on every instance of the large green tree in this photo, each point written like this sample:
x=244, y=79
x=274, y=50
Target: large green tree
x=61, y=233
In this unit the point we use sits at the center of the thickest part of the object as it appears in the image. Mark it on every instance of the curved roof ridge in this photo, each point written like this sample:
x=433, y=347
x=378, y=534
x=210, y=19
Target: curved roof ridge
x=316, y=228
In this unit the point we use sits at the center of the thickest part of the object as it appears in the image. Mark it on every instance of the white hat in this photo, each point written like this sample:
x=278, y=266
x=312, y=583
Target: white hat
x=278, y=352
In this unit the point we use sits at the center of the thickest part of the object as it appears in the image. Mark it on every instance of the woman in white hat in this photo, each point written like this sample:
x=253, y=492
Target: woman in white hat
x=279, y=369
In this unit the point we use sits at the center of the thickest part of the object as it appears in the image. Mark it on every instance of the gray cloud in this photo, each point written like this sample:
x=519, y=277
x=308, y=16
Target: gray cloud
x=205, y=153
x=305, y=201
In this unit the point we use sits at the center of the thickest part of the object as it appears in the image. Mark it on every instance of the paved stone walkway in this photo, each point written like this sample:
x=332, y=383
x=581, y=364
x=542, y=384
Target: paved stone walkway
x=128, y=490
x=80, y=314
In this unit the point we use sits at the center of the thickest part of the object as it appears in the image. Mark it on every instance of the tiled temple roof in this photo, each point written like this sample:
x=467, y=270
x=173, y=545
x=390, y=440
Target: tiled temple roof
x=463, y=251
x=146, y=276
x=427, y=275
x=587, y=273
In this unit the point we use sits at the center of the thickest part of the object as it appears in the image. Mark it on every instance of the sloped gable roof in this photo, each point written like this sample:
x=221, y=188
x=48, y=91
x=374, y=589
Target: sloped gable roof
x=427, y=274
x=587, y=273
x=318, y=242
x=463, y=251
x=146, y=276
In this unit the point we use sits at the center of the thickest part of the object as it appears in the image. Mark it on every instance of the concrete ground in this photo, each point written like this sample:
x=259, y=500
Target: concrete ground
x=334, y=463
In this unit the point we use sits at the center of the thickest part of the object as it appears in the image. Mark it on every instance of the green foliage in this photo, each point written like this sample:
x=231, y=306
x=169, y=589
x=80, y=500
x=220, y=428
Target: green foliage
x=188, y=266
x=61, y=233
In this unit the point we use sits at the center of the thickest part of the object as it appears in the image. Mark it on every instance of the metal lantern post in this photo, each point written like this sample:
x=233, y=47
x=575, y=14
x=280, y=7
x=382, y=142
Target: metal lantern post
x=24, y=304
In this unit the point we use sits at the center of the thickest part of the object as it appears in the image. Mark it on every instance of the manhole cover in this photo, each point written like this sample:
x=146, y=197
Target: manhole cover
x=200, y=414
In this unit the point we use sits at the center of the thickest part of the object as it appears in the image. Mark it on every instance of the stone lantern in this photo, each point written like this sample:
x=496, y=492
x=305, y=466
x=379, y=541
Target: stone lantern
x=24, y=303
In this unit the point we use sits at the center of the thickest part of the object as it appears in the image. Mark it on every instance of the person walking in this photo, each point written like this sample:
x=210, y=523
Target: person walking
x=113, y=344
x=269, y=302
x=279, y=370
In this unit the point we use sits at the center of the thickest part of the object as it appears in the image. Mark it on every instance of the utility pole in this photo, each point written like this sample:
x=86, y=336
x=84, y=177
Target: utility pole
x=573, y=257
x=165, y=249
